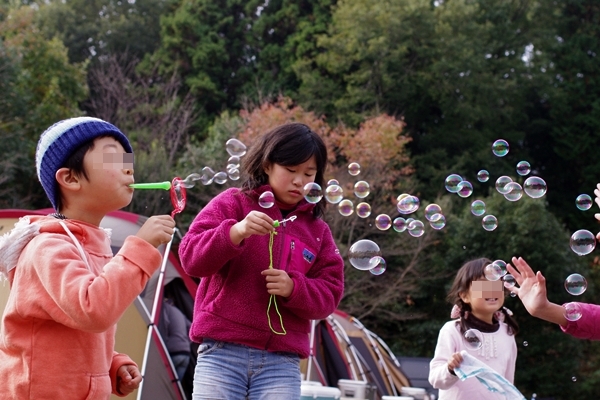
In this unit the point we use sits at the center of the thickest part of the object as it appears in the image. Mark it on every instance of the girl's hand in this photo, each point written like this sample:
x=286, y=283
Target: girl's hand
x=597, y=200
x=128, y=379
x=255, y=223
x=454, y=362
x=278, y=282
x=532, y=292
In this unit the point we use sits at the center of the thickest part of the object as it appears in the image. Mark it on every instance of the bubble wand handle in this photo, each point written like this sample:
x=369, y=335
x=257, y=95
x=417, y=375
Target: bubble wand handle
x=157, y=185
x=277, y=224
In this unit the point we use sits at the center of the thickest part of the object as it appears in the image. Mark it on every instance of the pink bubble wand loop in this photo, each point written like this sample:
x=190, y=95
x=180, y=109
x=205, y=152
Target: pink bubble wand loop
x=176, y=187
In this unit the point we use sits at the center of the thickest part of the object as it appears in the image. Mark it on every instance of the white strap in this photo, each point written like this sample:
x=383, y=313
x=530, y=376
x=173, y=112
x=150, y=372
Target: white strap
x=81, y=253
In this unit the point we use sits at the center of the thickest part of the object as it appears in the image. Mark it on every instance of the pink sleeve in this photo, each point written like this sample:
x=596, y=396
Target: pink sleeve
x=586, y=327
x=117, y=361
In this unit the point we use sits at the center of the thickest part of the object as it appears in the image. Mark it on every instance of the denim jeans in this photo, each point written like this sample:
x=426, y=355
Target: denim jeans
x=227, y=371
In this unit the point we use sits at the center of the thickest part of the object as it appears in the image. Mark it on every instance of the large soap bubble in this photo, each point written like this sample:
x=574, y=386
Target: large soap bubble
x=361, y=254
x=583, y=242
x=575, y=284
x=535, y=187
x=500, y=148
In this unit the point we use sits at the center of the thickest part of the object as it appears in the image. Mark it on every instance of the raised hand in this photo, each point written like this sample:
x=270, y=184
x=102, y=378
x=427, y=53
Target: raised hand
x=532, y=292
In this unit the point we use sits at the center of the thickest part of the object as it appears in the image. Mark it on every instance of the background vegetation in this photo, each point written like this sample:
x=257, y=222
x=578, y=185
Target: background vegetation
x=413, y=90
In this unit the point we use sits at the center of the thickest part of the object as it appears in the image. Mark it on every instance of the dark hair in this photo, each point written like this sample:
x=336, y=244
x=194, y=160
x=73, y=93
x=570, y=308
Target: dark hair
x=469, y=272
x=75, y=164
x=288, y=145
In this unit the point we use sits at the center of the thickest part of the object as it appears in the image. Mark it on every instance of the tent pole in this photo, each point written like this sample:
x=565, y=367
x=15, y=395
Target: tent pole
x=154, y=316
x=313, y=324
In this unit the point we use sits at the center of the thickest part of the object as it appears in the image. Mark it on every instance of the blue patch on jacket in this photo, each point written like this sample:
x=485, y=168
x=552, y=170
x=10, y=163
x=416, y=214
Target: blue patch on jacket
x=308, y=256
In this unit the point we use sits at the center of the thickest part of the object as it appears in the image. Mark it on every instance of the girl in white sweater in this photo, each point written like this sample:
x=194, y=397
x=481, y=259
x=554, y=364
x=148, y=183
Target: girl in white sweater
x=478, y=306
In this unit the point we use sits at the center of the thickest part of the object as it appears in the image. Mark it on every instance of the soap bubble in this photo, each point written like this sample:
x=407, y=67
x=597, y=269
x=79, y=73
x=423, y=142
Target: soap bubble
x=233, y=174
x=478, y=208
x=489, y=222
x=353, y=169
x=509, y=280
x=399, y=224
x=500, y=148
x=266, y=200
x=313, y=192
x=234, y=161
x=207, y=176
x=333, y=182
x=523, y=168
x=483, y=175
x=380, y=265
x=189, y=180
x=452, y=182
x=431, y=210
x=572, y=311
x=363, y=210
x=361, y=189
x=235, y=148
x=583, y=202
x=501, y=184
x=514, y=191
x=220, y=177
x=416, y=228
x=502, y=265
x=346, y=207
x=437, y=222
x=474, y=339
x=464, y=189
x=575, y=284
x=583, y=242
x=361, y=253
x=334, y=194
x=535, y=187
x=492, y=272
x=383, y=222
x=408, y=205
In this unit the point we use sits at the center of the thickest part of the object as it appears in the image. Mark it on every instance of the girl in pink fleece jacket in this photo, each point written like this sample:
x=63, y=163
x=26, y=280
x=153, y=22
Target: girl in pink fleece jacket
x=67, y=291
x=262, y=285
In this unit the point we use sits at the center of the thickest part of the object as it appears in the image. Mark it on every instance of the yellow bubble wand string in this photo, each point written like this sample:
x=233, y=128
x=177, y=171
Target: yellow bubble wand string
x=272, y=298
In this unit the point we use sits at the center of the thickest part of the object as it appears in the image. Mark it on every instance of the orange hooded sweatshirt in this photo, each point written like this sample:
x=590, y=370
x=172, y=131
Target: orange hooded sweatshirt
x=58, y=329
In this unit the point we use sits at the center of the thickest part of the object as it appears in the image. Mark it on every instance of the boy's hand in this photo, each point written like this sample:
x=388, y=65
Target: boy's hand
x=128, y=379
x=255, y=223
x=157, y=230
x=454, y=362
x=278, y=282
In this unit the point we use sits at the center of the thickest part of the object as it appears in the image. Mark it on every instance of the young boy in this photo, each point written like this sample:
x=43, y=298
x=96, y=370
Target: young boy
x=67, y=290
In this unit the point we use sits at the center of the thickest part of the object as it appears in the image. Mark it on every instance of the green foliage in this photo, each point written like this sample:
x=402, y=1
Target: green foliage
x=42, y=87
x=234, y=52
x=93, y=29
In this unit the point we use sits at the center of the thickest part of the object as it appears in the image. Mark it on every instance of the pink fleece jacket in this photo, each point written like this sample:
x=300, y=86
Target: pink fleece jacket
x=588, y=326
x=232, y=299
x=58, y=329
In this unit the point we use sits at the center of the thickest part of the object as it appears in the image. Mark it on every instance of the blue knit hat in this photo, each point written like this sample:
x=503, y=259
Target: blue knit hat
x=61, y=140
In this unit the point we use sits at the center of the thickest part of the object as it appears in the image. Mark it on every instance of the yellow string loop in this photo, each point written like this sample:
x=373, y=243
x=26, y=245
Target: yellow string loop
x=272, y=299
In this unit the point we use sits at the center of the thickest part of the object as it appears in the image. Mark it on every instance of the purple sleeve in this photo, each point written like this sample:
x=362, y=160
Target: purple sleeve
x=586, y=327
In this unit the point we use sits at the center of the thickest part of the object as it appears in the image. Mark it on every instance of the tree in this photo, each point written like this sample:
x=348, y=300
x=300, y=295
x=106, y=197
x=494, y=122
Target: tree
x=232, y=52
x=42, y=88
x=154, y=116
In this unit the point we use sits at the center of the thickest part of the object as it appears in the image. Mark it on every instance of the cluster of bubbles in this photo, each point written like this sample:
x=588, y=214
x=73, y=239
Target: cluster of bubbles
x=236, y=150
x=534, y=186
